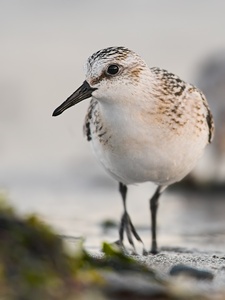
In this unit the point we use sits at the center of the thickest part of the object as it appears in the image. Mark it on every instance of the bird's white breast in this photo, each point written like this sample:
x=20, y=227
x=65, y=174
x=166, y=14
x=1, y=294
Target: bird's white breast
x=137, y=146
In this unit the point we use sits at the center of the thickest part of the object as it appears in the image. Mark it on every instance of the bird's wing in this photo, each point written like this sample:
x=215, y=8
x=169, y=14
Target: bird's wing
x=172, y=87
x=209, y=116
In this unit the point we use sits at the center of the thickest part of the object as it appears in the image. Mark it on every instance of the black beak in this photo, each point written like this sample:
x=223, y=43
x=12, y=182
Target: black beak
x=83, y=92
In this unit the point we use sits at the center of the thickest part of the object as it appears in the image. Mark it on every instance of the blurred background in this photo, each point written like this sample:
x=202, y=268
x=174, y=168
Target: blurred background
x=46, y=165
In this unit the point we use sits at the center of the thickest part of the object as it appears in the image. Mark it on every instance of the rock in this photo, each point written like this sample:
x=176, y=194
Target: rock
x=183, y=270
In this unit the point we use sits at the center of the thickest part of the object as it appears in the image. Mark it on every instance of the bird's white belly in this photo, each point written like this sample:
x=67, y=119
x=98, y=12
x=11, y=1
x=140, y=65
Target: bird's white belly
x=162, y=160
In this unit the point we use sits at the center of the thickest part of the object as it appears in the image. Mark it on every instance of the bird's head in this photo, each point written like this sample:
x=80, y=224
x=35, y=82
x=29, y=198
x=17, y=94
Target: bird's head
x=111, y=75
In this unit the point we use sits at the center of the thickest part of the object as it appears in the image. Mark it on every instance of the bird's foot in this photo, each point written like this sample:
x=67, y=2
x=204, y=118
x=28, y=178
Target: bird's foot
x=127, y=226
x=154, y=248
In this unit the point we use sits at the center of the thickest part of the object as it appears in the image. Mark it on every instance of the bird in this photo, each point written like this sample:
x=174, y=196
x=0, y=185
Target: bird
x=145, y=125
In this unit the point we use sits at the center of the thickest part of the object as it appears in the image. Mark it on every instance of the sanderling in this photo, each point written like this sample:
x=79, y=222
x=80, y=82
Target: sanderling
x=145, y=124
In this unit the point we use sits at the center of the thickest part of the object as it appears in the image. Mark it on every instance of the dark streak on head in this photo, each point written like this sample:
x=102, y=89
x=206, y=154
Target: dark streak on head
x=96, y=80
x=134, y=74
x=120, y=52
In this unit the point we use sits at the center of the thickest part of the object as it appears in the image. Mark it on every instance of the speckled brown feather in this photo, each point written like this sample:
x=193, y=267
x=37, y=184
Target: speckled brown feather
x=93, y=118
x=173, y=94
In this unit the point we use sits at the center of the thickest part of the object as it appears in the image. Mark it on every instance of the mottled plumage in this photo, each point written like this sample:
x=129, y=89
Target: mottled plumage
x=145, y=124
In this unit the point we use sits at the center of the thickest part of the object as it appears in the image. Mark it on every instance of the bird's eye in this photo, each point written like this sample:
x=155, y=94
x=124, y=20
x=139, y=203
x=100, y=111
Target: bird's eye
x=112, y=70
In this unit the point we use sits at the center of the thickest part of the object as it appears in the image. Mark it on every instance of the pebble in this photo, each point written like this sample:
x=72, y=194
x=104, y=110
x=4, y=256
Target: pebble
x=192, y=272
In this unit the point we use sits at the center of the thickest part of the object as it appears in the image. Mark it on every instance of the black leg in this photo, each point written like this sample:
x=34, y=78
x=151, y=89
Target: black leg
x=126, y=223
x=123, y=192
x=153, y=208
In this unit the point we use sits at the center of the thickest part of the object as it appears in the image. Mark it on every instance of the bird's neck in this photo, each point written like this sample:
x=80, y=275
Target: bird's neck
x=123, y=118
